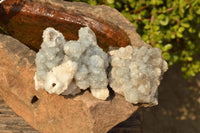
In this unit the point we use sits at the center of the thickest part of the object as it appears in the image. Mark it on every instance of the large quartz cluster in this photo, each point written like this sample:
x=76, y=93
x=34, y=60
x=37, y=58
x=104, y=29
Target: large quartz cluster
x=66, y=67
x=136, y=73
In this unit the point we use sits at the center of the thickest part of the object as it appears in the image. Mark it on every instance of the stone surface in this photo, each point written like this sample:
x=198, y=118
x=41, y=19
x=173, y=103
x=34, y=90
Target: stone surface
x=30, y=18
x=33, y=16
x=107, y=14
x=50, y=112
x=12, y=123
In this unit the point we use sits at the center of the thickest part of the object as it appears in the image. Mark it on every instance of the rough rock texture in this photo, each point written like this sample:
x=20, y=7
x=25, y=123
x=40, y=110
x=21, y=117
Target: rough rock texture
x=107, y=14
x=136, y=73
x=50, y=112
x=67, y=17
x=10, y=122
x=40, y=109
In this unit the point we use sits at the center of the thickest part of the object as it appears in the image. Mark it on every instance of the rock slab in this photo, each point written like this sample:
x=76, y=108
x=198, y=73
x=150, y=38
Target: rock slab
x=10, y=122
x=51, y=113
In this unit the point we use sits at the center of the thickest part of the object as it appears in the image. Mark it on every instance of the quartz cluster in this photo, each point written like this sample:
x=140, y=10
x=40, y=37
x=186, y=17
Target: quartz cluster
x=49, y=56
x=136, y=73
x=91, y=61
x=66, y=67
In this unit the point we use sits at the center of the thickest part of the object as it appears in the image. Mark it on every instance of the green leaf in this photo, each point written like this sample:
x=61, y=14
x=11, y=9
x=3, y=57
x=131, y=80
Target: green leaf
x=3, y=30
x=189, y=58
x=118, y=5
x=173, y=36
x=175, y=58
x=180, y=35
x=186, y=25
x=198, y=11
x=190, y=17
x=167, y=47
x=92, y=2
x=199, y=34
x=145, y=37
x=181, y=29
x=165, y=21
x=192, y=30
x=110, y=1
x=166, y=55
x=128, y=16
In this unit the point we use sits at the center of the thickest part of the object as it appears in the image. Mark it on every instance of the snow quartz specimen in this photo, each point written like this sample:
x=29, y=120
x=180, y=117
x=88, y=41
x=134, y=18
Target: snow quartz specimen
x=66, y=67
x=136, y=73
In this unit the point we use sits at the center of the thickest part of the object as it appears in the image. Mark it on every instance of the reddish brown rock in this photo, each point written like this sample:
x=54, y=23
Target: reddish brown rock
x=26, y=20
x=51, y=113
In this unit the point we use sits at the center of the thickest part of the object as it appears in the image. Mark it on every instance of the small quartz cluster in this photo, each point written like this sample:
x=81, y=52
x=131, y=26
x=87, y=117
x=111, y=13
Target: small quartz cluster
x=67, y=67
x=92, y=62
x=49, y=56
x=136, y=73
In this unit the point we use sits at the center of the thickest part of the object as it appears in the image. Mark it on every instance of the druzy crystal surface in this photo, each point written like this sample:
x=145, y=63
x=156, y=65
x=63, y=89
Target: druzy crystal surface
x=136, y=73
x=67, y=67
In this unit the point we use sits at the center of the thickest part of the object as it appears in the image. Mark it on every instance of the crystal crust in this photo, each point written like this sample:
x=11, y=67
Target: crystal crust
x=136, y=73
x=67, y=67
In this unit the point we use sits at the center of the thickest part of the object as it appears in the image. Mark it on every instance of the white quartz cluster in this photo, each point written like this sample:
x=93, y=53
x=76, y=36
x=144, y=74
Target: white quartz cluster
x=92, y=63
x=66, y=67
x=136, y=73
x=49, y=56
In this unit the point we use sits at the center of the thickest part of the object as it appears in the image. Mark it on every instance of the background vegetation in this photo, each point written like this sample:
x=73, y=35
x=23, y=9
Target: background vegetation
x=171, y=25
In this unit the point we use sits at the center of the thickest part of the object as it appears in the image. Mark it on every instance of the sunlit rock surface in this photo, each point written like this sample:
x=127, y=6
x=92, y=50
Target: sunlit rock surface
x=51, y=113
x=66, y=67
x=136, y=73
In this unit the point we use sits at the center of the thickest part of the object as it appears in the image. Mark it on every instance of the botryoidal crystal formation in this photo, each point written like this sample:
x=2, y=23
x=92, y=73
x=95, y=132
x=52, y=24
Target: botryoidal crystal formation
x=67, y=67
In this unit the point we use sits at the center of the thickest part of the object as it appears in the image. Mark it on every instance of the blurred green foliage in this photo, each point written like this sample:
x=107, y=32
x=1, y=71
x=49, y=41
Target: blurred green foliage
x=171, y=25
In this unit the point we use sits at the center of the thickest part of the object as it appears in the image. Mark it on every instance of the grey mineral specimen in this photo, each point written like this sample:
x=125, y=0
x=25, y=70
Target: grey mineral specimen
x=66, y=67
x=49, y=56
x=136, y=73
x=92, y=63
